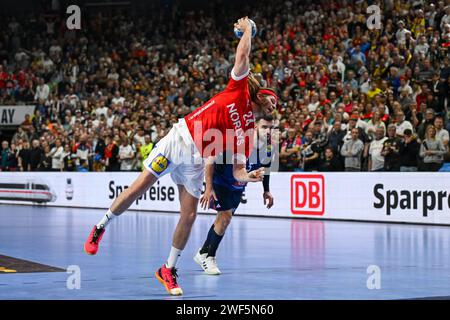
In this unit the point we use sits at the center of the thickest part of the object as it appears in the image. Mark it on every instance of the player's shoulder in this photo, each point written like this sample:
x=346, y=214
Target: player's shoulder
x=238, y=81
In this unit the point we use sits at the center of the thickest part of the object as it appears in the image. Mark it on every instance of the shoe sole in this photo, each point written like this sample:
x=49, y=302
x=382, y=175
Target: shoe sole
x=165, y=286
x=89, y=254
x=206, y=271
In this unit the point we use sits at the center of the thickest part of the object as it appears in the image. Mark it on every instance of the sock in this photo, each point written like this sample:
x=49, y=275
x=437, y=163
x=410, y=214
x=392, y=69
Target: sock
x=212, y=243
x=207, y=243
x=173, y=257
x=106, y=219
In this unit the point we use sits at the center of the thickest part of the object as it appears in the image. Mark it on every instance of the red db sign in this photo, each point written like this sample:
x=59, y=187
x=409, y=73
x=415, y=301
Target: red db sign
x=307, y=194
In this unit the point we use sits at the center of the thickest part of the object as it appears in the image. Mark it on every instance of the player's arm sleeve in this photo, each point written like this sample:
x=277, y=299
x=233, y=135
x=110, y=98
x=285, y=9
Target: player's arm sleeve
x=266, y=181
x=238, y=82
x=236, y=77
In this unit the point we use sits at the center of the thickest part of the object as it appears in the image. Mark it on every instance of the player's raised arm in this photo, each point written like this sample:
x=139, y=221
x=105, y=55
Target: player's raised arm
x=242, y=61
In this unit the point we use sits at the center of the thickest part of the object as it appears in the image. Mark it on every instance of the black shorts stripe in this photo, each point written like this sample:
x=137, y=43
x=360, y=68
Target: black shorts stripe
x=227, y=199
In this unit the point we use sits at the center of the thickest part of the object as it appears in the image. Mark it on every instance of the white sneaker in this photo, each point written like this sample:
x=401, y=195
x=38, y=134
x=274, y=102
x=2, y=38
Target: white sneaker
x=208, y=264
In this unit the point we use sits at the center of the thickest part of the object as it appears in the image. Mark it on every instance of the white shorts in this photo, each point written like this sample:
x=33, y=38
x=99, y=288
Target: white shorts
x=177, y=154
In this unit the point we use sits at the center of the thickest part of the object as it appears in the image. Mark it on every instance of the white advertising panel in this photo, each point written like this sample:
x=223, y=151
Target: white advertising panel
x=390, y=197
x=14, y=115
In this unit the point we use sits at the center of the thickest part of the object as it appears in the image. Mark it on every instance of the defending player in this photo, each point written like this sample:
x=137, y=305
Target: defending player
x=229, y=117
x=226, y=192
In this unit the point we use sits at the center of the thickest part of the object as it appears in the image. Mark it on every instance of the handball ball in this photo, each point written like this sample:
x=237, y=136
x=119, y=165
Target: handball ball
x=239, y=33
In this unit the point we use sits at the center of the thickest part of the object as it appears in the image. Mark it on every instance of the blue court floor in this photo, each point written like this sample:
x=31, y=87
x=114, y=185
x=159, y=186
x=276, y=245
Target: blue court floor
x=261, y=258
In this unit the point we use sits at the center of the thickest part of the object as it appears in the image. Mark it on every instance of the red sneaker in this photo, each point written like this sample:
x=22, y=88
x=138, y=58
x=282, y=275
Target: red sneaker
x=168, y=277
x=91, y=244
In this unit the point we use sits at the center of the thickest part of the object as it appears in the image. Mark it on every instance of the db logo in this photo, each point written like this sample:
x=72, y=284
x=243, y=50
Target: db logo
x=307, y=194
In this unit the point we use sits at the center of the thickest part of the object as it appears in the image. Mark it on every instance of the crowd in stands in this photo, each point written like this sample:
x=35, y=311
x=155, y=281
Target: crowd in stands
x=351, y=98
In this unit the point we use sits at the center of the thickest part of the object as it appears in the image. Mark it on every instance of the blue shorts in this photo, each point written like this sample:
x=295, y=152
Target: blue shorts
x=227, y=199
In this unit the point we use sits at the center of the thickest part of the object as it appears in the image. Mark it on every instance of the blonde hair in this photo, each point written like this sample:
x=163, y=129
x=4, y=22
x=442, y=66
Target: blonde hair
x=253, y=86
x=427, y=133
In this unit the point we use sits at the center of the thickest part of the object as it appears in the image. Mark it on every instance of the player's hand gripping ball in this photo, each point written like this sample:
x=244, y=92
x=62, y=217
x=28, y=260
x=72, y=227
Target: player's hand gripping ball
x=238, y=32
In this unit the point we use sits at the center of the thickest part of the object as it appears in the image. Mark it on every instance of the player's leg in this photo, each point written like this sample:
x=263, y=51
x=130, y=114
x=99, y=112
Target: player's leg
x=167, y=274
x=216, y=232
x=227, y=203
x=206, y=256
x=156, y=165
x=220, y=225
x=144, y=181
x=188, y=213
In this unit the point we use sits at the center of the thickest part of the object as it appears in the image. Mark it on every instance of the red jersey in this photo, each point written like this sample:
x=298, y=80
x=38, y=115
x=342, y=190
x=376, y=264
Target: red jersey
x=225, y=122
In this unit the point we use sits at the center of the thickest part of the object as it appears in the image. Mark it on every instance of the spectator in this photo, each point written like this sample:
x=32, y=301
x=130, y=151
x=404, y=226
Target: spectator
x=145, y=149
x=57, y=155
x=376, y=159
x=432, y=151
x=27, y=124
x=68, y=159
x=310, y=153
x=82, y=152
x=19, y=135
x=13, y=162
x=5, y=156
x=441, y=133
x=352, y=152
x=428, y=121
x=126, y=156
x=46, y=159
x=99, y=147
x=24, y=157
x=101, y=109
x=390, y=150
x=336, y=137
x=330, y=163
x=409, y=151
x=355, y=122
x=401, y=125
x=373, y=124
x=290, y=151
x=42, y=91
x=139, y=136
x=112, y=154
x=401, y=33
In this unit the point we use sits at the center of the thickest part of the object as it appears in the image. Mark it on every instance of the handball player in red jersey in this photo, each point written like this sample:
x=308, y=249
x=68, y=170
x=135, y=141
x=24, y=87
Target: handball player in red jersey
x=224, y=123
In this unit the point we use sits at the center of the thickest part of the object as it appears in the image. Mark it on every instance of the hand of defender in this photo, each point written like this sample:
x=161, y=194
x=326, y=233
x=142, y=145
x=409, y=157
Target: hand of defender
x=242, y=24
x=256, y=175
x=268, y=199
x=206, y=198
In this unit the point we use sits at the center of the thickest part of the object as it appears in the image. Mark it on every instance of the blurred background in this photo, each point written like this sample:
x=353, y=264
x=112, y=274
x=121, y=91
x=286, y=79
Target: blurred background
x=99, y=98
